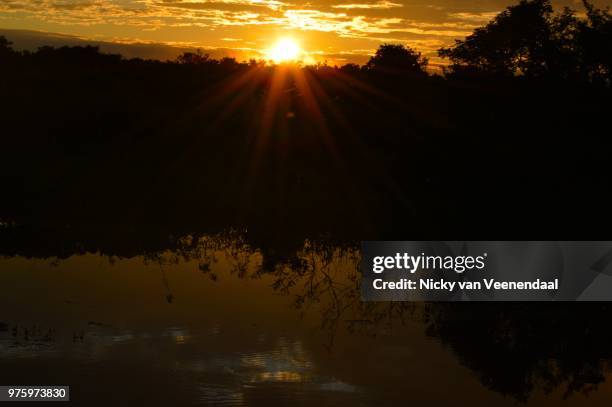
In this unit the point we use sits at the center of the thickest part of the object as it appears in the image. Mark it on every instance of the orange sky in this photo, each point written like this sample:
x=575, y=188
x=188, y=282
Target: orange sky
x=339, y=31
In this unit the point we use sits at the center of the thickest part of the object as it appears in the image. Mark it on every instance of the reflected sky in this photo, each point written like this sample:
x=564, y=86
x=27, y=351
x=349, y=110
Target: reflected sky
x=235, y=339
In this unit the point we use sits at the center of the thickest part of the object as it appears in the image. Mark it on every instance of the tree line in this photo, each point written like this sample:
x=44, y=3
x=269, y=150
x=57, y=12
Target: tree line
x=515, y=131
x=527, y=39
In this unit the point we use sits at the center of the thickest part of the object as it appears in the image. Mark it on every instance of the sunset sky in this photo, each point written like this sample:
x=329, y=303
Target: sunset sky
x=339, y=31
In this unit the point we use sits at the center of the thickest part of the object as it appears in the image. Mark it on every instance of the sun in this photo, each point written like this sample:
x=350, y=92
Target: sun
x=285, y=50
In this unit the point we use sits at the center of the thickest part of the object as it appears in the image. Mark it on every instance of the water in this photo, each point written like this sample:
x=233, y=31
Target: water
x=213, y=322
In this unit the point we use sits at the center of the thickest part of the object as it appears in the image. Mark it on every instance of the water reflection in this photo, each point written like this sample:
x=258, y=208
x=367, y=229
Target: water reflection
x=220, y=319
x=221, y=376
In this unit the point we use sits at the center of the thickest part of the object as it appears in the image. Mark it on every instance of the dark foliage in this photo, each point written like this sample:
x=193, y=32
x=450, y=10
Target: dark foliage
x=517, y=349
x=529, y=39
x=397, y=59
x=123, y=157
x=380, y=151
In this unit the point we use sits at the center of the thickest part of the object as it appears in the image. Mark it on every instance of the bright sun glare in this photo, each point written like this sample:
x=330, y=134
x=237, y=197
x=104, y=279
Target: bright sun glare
x=284, y=50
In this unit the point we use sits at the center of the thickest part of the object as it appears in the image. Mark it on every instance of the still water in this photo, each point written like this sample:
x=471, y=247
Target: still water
x=211, y=323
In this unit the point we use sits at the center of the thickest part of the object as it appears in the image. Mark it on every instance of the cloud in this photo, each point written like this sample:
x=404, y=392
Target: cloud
x=361, y=23
x=157, y=14
x=483, y=17
x=340, y=23
x=378, y=5
x=217, y=4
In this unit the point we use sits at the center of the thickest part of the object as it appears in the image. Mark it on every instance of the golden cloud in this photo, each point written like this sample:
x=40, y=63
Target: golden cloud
x=378, y=5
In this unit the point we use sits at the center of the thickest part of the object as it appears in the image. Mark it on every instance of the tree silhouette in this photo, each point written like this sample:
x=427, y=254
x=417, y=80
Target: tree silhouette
x=193, y=58
x=517, y=40
x=6, y=51
x=396, y=59
x=530, y=40
x=595, y=42
x=350, y=68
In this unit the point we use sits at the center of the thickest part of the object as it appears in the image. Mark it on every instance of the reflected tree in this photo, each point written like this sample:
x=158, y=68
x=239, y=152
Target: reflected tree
x=517, y=349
